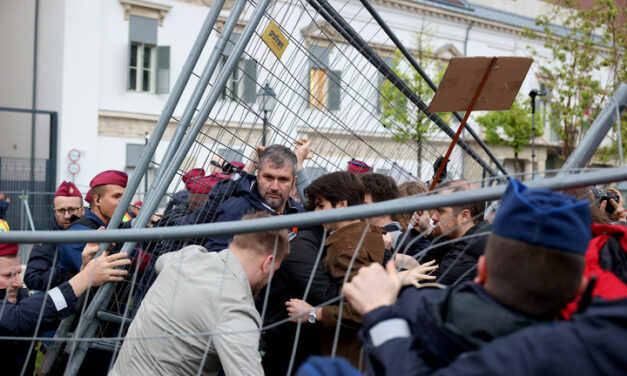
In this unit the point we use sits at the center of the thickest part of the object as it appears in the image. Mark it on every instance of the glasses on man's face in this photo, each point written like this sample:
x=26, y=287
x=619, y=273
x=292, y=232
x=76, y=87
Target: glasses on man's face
x=70, y=211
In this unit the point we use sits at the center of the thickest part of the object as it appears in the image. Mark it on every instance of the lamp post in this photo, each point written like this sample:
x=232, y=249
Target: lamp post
x=266, y=99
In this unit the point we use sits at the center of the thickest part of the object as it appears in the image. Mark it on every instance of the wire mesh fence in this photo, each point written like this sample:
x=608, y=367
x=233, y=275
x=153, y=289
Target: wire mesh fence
x=328, y=87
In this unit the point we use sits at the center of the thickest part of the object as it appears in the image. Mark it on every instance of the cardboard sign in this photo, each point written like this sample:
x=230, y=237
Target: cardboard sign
x=463, y=76
x=275, y=39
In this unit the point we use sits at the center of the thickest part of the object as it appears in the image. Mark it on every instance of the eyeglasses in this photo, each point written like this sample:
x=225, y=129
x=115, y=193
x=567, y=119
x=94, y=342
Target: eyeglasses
x=70, y=211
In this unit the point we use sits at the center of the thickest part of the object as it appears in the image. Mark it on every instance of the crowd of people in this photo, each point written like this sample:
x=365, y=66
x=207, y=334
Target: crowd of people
x=535, y=286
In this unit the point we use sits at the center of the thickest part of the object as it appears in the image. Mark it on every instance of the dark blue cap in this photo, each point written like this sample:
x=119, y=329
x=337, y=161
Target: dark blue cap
x=543, y=217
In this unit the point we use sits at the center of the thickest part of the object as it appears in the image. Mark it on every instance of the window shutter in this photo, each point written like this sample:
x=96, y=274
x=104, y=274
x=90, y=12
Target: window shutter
x=163, y=69
x=389, y=61
x=128, y=68
x=318, y=57
x=143, y=30
x=335, y=89
x=230, y=45
x=249, y=81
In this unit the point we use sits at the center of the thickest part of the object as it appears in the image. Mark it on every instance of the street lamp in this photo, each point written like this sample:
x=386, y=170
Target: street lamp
x=266, y=99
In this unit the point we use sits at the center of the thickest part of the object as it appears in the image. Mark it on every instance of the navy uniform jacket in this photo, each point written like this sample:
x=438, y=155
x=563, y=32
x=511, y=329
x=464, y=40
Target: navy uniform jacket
x=40, y=269
x=593, y=343
x=4, y=206
x=20, y=320
x=426, y=329
x=70, y=254
x=245, y=200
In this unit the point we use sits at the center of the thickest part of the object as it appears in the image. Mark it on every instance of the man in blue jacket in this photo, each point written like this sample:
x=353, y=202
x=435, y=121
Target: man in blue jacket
x=107, y=189
x=268, y=191
x=42, y=271
x=21, y=315
x=532, y=267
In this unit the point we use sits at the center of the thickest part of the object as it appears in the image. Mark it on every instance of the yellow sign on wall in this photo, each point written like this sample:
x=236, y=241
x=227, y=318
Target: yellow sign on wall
x=275, y=39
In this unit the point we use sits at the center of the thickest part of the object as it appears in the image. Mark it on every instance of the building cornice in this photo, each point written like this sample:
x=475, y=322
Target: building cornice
x=144, y=8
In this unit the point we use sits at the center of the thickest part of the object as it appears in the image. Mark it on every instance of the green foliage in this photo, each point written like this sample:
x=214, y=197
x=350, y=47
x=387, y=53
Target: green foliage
x=399, y=114
x=511, y=128
x=593, y=40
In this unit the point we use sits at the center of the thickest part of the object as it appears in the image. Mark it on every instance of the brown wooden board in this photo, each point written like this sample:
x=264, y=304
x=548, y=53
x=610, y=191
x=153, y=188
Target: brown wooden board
x=463, y=76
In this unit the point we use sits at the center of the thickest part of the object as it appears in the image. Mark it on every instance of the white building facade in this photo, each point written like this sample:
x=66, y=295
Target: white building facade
x=107, y=67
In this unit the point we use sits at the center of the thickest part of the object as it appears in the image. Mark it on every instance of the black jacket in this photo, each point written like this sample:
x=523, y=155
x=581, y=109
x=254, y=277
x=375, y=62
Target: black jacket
x=427, y=329
x=458, y=260
x=245, y=200
x=41, y=268
x=592, y=343
x=290, y=281
x=20, y=320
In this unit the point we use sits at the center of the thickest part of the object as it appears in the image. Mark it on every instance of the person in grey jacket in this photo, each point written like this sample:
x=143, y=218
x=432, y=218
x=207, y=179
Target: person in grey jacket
x=200, y=315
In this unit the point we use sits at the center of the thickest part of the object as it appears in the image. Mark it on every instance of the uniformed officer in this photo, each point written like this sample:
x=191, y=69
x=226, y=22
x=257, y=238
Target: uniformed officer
x=21, y=314
x=107, y=189
x=42, y=271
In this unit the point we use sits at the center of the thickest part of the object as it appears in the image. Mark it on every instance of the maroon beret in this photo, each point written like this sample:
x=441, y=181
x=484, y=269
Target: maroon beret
x=358, y=167
x=193, y=173
x=88, y=196
x=205, y=184
x=113, y=177
x=68, y=189
x=8, y=249
x=237, y=165
x=138, y=203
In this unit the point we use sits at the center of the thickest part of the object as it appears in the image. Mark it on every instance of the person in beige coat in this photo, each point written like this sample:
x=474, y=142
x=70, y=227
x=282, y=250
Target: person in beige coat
x=200, y=314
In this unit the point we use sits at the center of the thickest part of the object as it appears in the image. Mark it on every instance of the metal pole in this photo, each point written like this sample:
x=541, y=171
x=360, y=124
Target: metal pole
x=144, y=161
x=198, y=93
x=265, y=127
x=402, y=205
x=590, y=142
x=339, y=24
x=397, y=42
x=160, y=186
x=28, y=215
x=31, y=184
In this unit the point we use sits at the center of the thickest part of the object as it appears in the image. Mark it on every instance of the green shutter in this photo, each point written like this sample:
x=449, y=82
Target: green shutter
x=389, y=61
x=249, y=81
x=163, y=69
x=142, y=30
x=335, y=90
x=318, y=57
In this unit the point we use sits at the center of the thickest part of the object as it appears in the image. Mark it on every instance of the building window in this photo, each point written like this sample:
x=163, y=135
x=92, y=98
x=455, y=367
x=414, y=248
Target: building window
x=141, y=68
x=242, y=83
x=318, y=88
x=324, y=84
x=148, y=64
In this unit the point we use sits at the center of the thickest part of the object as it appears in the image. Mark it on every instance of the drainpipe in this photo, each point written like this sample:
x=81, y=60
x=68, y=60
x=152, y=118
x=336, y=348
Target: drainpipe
x=31, y=185
x=470, y=25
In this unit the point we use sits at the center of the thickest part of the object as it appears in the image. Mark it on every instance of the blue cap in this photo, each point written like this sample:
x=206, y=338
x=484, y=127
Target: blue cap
x=323, y=365
x=543, y=217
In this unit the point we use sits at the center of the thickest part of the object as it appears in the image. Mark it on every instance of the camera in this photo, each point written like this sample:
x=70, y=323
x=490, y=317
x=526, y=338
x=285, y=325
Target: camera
x=607, y=196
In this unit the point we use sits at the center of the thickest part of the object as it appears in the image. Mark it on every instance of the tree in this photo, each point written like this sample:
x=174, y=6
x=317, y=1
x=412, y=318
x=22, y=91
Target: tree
x=400, y=115
x=592, y=41
x=511, y=128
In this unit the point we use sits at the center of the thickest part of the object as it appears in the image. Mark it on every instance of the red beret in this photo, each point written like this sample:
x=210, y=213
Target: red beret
x=237, y=165
x=68, y=189
x=138, y=203
x=205, y=184
x=88, y=196
x=113, y=177
x=358, y=167
x=193, y=173
x=8, y=249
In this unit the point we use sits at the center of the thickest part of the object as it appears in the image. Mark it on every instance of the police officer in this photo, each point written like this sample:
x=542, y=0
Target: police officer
x=20, y=313
x=42, y=271
x=107, y=189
